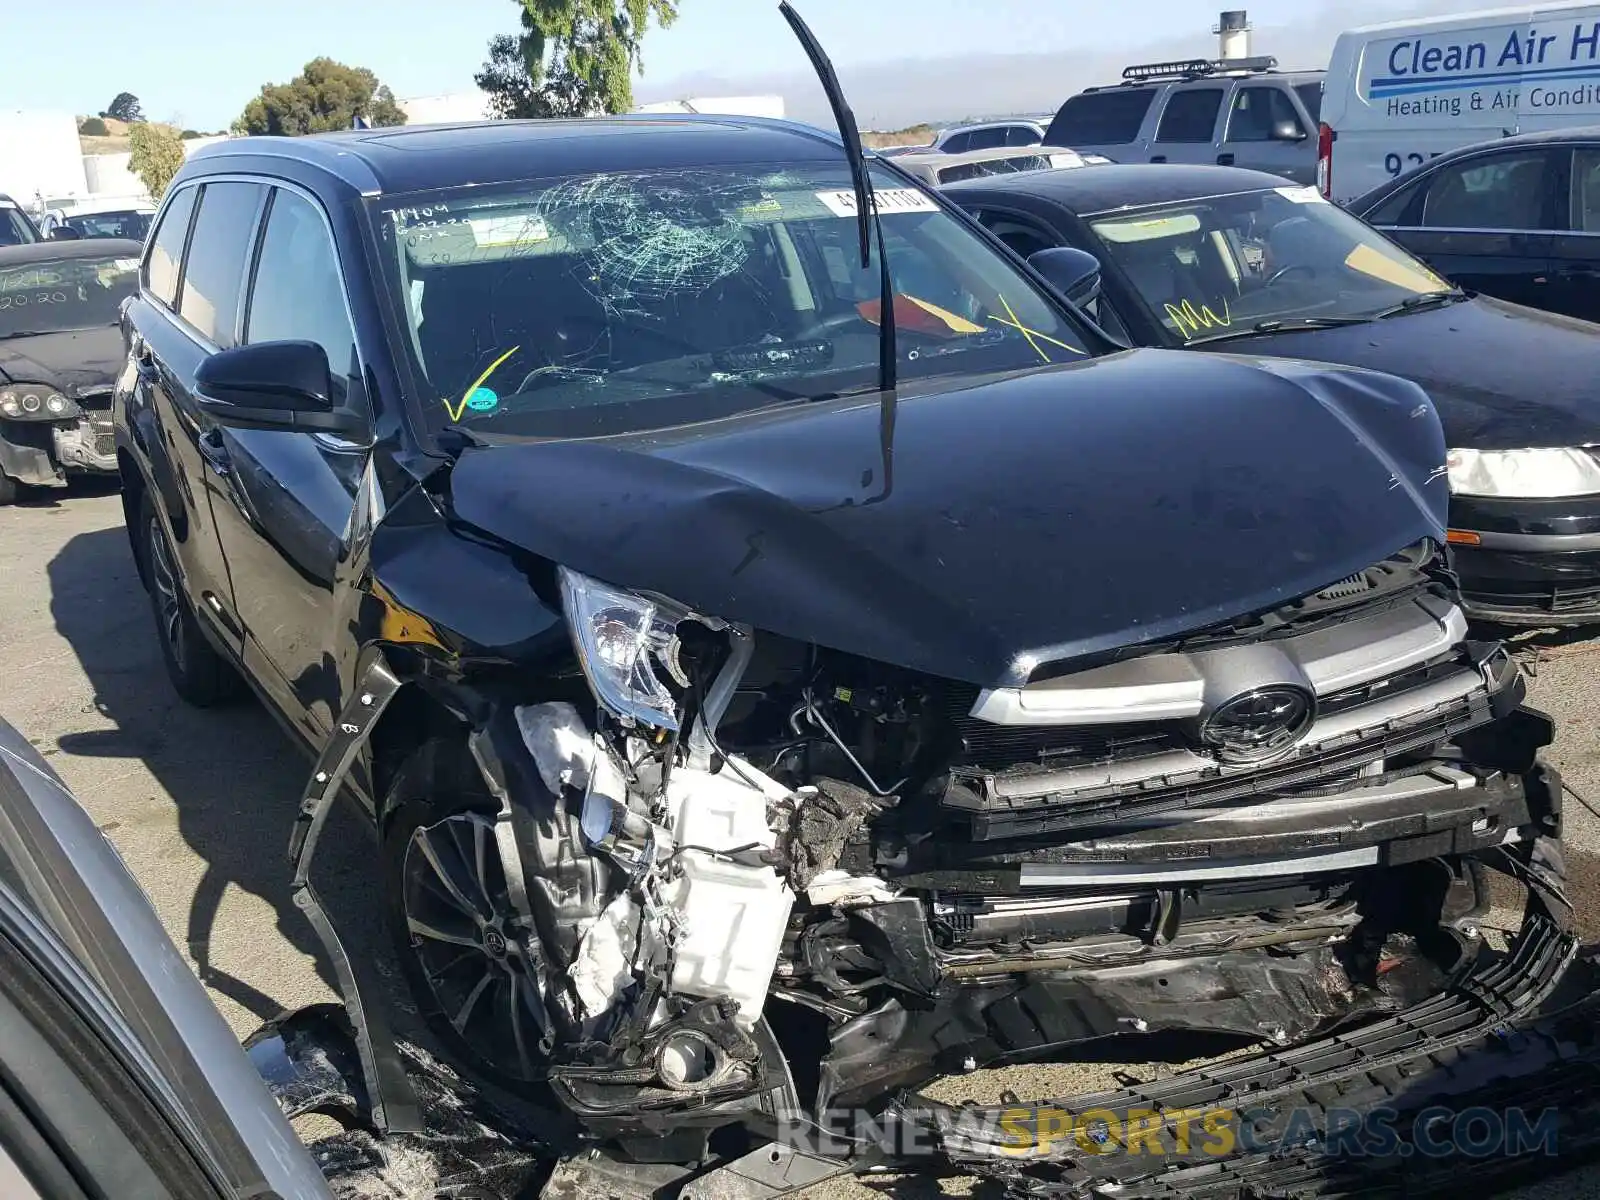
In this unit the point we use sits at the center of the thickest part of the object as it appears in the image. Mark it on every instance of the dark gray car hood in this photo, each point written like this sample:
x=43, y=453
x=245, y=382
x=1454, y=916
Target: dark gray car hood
x=995, y=524
x=1502, y=376
x=71, y=361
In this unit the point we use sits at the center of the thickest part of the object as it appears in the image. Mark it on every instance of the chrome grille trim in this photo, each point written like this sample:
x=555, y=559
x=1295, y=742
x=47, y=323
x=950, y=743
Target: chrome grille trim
x=1174, y=686
x=1351, y=726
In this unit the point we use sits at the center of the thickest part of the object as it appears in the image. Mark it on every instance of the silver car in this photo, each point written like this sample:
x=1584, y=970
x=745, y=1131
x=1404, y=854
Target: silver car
x=1237, y=113
x=133, y=1085
x=937, y=170
x=119, y=1079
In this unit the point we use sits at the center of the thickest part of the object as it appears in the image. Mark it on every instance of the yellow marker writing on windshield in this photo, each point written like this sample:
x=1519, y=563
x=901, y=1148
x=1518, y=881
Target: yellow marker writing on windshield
x=455, y=413
x=1191, y=320
x=1016, y=323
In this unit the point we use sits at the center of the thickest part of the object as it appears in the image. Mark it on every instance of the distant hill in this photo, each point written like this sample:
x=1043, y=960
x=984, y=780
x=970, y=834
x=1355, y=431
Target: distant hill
x=115, y=140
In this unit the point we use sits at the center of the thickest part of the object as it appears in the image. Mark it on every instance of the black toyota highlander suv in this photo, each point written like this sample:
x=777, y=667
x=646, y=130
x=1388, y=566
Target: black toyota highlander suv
x=778, y=676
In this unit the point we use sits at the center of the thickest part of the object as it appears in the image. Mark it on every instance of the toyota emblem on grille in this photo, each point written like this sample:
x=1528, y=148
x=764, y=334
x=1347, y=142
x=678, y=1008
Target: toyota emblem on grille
x=1259, y=724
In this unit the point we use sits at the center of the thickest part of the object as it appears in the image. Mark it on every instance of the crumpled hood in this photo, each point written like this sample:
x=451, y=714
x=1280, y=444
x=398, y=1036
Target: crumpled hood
x=975, y=531
x=72, y=361
x=1502, y=376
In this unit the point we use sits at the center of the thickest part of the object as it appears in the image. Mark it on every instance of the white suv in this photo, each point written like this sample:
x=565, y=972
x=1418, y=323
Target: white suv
x=118, y=219
x=990, y=136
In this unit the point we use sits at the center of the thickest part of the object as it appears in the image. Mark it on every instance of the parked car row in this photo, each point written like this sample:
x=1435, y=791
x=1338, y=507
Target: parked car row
x=1221, y=259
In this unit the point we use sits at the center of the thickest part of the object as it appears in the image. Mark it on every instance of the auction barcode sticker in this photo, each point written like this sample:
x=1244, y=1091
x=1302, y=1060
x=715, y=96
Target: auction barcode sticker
x=1301, y=195
x=886, y=200
x=494, y=232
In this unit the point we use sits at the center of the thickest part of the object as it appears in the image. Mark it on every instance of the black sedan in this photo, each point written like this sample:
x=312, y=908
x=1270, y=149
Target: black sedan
x=60, y=352
x=1227, y=260
x=1517, y=218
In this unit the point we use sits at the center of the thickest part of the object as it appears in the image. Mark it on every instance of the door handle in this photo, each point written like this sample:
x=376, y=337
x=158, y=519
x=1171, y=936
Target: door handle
x=144, y=360
x=1225, y=160
x=215, y=452
x=1158, y=158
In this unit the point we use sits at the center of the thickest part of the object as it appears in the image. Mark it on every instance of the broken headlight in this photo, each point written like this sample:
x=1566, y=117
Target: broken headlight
x=622, y=638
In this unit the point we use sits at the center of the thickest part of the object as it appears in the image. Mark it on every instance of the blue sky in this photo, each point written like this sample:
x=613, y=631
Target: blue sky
x=201, y=60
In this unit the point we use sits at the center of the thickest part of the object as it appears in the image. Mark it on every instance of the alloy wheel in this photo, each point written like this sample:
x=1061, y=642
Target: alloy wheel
x=169, y=607
x=463, y=933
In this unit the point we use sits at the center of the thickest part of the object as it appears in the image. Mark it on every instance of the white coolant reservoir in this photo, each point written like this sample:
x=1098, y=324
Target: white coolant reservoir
x=732, y=915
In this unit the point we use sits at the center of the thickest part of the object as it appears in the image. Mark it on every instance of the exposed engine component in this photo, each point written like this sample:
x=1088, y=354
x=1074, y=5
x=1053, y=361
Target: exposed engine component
x=925, y=874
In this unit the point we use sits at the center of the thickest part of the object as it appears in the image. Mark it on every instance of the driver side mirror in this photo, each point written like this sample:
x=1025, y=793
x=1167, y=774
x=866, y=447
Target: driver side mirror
x=285, y=386
x=65, y=233
x=1072, y=272
x=1288, y=131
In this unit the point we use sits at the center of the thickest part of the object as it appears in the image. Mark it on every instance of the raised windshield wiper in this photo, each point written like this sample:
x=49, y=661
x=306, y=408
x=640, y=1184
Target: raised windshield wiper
x=1282, y=325
x=868, y=219
x=1421, y=300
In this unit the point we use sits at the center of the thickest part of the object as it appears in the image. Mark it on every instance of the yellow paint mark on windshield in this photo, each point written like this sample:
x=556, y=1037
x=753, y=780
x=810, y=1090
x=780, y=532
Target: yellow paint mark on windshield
x=1033, y=335
x=455, y=413
x=1191, y=320
x=1027, y=333
x=1411, y=276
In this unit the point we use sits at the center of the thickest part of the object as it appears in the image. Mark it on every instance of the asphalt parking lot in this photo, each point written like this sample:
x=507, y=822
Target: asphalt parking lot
x=200, y=803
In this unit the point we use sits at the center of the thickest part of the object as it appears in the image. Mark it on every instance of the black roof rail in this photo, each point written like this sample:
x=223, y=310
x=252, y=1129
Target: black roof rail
x=1196, y=68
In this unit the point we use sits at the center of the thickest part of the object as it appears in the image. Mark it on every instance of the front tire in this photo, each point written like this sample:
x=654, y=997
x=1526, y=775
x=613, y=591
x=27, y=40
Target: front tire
x=199, y=674
x=454, y=928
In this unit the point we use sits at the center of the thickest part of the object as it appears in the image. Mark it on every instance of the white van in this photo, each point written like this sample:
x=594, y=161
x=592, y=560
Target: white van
x=1401, y=93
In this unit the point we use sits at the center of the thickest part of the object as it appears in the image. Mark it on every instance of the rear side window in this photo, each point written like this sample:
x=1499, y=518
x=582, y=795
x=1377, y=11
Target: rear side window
x=219, y=257
x=1263, y=114
x=14, y=227
x=166, y=251
x=1021, y=135
x=987, y=139
x=1392, y=211
x=1190, y=116
x=1500, y=191
x=958, y=143
x=1110, y=118
x=1586, y=190
x=1311, y=96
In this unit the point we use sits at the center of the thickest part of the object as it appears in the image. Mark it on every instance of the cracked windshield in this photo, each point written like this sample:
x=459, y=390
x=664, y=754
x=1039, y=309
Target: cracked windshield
x=615, y=302
x=1227, y=266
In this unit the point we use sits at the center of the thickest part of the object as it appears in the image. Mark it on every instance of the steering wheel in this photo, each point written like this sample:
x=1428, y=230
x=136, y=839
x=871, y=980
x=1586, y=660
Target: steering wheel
x=825, y=325
x=1281, y=272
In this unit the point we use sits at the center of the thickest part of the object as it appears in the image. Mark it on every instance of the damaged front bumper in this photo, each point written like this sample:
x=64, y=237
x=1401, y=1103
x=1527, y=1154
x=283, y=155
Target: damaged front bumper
x=1274, y=1118
x=1356, y=1112
x=674, y=923
x=42, y=453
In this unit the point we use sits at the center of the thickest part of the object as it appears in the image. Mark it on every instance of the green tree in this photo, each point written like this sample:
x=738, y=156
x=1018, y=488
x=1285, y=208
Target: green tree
x=157, y=153
x=93, y=127
x=327, y=95
x=124, y=108
x=571, y=57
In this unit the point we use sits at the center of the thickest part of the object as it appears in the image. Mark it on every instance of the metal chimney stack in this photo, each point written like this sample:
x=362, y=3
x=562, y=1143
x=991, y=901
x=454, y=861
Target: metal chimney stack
x=1233, y=35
